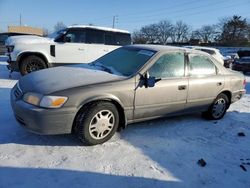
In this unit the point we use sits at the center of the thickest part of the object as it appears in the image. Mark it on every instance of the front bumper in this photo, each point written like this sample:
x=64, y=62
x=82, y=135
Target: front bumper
x=41, y=120
x=12, y=65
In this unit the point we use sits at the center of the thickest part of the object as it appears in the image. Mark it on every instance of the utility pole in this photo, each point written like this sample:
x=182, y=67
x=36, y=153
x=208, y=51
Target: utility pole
x=20, y=20
x=115, y=20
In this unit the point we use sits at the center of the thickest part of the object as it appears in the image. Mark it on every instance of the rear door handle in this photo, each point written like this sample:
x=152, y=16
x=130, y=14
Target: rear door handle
x=182, y=87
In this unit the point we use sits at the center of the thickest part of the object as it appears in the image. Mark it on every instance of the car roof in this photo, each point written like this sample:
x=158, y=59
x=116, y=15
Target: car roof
x=100, y=28
x=202, y=47
x=163, y=48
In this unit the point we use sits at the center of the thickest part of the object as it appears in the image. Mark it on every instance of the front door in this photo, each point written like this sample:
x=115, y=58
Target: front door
x=72, y=47
x=169, y=94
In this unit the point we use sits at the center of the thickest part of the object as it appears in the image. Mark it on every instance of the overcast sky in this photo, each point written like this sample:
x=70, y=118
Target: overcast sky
x=130, y=14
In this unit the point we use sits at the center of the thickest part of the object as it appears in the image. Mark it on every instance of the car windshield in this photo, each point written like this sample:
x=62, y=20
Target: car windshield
x=124, y=61
x=57, y=34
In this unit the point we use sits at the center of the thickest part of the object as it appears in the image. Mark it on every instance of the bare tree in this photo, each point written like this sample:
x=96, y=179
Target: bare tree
x=165, y=29
x=150, y=32
x=59, y=26
x=138, y=38
x=45, y=32
x=206, y=34
x=180, y=32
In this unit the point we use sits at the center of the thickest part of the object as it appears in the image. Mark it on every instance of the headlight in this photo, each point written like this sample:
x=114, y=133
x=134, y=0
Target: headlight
x=53, y=101
x=44, y=101
x=32, y=98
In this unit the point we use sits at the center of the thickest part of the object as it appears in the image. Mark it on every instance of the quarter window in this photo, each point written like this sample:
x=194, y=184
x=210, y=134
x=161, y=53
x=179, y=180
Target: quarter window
x=200, y=65
x=168, y=65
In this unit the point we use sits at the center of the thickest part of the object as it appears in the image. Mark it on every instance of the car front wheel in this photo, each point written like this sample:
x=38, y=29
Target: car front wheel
x=97, y=123
x=218, y=109
x=32, y=63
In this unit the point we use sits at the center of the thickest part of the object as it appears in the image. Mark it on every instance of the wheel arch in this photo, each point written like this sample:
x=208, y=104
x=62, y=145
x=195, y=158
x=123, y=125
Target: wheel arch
x=228, y=94
x=26, y=54
x=108, y=98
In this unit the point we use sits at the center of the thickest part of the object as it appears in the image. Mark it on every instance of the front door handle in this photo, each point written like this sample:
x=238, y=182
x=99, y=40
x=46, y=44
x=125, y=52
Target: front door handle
x=182, y=87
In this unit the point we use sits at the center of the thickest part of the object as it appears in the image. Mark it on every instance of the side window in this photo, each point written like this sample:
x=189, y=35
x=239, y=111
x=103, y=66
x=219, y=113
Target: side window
x=168, y=65
x=94, y=36
x=123, y=39
x=109, y=38
x=116, y=38
x=200, y=65
x=75, y=35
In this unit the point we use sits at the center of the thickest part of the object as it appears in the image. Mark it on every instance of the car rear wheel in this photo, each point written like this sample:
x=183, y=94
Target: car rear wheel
x=218, y=109
x=31, y=64
x=97, y=123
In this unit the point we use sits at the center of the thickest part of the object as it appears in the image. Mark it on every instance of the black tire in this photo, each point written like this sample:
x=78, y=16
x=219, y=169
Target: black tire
x=87, y=115
x=32, y=63
x=212, y=114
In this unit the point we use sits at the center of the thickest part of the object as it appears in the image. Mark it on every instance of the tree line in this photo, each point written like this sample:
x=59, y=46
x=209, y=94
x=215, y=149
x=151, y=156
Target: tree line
x=231, y=31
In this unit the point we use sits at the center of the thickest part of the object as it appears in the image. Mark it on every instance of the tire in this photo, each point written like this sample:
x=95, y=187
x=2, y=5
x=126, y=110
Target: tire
x=32, y=63
x=218, y=109
x=97, y=123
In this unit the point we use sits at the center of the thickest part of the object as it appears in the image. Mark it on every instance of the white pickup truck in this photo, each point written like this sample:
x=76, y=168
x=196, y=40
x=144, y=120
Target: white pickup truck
x=75, y=44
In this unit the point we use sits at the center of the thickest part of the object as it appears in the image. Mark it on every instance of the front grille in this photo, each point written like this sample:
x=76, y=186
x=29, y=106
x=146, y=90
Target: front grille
x=18, y=92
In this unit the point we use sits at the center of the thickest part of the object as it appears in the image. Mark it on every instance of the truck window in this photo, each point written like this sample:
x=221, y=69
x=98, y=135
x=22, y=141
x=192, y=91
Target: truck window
x=94, y=36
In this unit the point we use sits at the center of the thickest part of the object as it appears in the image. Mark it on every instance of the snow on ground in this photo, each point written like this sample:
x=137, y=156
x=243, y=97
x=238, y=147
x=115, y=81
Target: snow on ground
x=160, y=153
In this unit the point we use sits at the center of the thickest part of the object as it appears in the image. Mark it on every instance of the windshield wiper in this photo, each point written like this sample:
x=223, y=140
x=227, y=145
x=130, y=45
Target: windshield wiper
x=104, y=68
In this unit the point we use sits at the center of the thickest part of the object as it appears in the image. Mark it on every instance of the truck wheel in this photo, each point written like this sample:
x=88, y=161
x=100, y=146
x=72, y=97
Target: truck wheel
x=32, y=63
x=97, y=123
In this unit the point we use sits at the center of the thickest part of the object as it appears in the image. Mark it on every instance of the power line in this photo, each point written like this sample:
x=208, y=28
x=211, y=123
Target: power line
x=189, y=14
x=148, y=11
x=176, y=12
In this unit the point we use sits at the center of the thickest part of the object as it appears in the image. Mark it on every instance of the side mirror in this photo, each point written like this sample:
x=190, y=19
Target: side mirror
x=150, y=82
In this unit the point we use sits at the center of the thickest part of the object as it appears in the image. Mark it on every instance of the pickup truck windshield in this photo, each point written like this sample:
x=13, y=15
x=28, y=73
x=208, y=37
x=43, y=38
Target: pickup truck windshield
x=124, y=61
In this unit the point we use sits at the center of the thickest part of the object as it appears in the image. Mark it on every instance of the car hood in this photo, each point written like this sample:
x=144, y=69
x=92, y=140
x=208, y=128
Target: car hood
x=27, y=39
x=60, y=78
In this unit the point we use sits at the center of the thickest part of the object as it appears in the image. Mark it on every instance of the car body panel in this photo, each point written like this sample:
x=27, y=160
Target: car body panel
x=83, y=86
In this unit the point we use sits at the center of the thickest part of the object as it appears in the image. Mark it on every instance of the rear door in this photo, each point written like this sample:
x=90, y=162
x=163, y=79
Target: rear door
x=205, y=82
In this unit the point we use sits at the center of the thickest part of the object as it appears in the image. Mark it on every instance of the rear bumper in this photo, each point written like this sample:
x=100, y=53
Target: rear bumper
x=237, y=95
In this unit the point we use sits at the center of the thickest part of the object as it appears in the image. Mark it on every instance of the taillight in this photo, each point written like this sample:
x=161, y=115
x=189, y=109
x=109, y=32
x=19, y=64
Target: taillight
x=244, y=82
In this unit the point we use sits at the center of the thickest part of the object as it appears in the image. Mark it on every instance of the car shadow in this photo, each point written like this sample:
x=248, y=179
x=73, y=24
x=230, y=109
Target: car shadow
x=177, y=143
x=45, y=177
